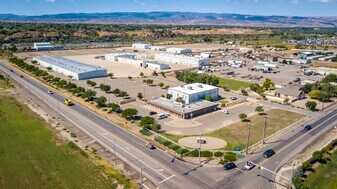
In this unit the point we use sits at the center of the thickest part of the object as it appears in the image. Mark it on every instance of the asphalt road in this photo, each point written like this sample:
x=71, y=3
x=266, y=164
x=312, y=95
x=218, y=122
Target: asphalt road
x=157, y=165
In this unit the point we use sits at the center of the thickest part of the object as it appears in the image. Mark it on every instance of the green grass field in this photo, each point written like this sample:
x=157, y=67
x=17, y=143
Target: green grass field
x=325, y=175
x=233, y=84
x=32, y=157
x=236, y=133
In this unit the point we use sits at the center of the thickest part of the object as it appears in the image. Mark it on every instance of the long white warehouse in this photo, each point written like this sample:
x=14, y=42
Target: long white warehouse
x=178, y=50
x=77, y=70
x=181, y=59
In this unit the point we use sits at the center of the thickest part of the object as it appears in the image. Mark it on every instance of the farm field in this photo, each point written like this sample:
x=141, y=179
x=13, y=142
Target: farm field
x=33, y=157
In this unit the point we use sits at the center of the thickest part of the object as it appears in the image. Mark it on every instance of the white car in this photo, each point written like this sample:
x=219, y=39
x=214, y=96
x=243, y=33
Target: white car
x=50, y=92
x=249, y=165
x=161, y=116
x=225, y=111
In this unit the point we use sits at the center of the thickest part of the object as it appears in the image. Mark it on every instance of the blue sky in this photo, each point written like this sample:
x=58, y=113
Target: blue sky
x=256, y=7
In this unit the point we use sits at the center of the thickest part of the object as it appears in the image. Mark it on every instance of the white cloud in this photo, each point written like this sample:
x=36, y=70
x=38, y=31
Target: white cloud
x=139, y=3
x=242, y=0
x=323, y=1
x=154, y=6
x=295, y=1
x=50, y=1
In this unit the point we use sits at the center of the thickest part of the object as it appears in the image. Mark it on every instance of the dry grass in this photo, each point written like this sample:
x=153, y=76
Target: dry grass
x=324, y=64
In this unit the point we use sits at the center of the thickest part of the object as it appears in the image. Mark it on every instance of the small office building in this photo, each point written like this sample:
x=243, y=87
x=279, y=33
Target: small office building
x=182, y=59
x=141, y=46
x=43, y=46
x=178, y=50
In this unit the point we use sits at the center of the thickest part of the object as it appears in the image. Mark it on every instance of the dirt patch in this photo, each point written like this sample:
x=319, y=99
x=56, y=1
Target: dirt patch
x=211, y=143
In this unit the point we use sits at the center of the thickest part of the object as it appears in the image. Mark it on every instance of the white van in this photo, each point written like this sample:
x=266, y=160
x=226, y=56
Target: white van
x=161, y=116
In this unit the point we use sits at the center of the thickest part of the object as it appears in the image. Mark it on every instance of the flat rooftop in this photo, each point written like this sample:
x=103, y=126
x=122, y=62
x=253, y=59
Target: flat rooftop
x=193, y=88
x=71, y=65
x=178, y=108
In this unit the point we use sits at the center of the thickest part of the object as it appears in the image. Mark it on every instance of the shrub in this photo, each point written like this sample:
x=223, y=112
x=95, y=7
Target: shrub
x=174, y=147
x=167, y=143
x=182, y=151
x=206, y=154
x=306, y=166
x=230, y=156
x=145, y=132
x=218, y=154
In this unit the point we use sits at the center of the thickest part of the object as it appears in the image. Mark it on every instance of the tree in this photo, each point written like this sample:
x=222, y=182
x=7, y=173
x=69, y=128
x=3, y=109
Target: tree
x=161, y=85
x=140, y=96
x=154, y=73
x=114, y=107
x=89, y=94
x=168, y=96
x=244, y=92
x=180, y=100
x=307, y=88
x=317, y=156
x=91, y=83
x=129, y=113
x=259, y=109
x=116, y=91
x=78, y=90
x=130, y=78
x=105, y=88
x=100, y=101
x=267, y=84
x=111, y=75
x=286, y=101
x=311, y=105
x=330, y=78
x=148, y=122
x=315, y=94
x=306, y=166
x=209, y=98
x=149, y=81
x=243, y=116
x=49, y=68
x=141, y=74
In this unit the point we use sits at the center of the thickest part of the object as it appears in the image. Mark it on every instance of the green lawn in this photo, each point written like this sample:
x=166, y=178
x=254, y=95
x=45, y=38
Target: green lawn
x=233, y=84
x=236, y=133
x=32, y=157
x=325, y=175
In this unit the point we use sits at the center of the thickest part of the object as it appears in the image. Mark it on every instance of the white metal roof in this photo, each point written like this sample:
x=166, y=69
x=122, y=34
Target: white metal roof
x=193, y=88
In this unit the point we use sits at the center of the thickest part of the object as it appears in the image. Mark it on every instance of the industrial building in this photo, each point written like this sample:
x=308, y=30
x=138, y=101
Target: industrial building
x=301, y=61
x=72, y=68
x=315, y=57
x=43, y=46
x=132, y=59
x=141, y=46
x=193, y=92
x=178, y=50
x=326, y=58
x=305, y=54
x=181, y=59
x=158, y=48
x=205, y=55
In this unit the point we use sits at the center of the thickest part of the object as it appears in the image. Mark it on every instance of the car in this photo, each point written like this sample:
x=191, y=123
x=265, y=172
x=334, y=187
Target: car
x=11, y=70
x=229, y=166
x=307, y=127
x=152, y=113
x=268, y=153
x=50, y=92
x=297, y=79
x=225, y=111
x=233, y=98
x=161, y=116
x=150, y=145
x=21, y=76
x=249, y=165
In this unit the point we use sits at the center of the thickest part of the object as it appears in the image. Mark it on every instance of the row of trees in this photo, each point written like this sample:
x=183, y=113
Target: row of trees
x=194, y=77
x=324, y=90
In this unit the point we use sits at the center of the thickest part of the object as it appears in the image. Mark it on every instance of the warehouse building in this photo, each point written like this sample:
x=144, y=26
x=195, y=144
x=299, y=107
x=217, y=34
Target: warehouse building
x=301, y=61
x=72, y=68
x=158, y=48
x=181, y=59
x=132, y=59
x=193, y=92
x=326, y=58
x=43, y=46
x=178, y=50
x=141, y=46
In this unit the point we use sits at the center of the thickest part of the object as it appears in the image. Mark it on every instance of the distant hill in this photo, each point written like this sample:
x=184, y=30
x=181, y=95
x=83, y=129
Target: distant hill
x=180, y=18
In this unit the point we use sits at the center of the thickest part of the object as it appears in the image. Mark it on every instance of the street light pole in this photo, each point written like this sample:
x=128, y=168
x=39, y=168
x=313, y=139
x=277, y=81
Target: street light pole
x=247, y=143
x=291, y=177
x=115, y=152
x=264, y=130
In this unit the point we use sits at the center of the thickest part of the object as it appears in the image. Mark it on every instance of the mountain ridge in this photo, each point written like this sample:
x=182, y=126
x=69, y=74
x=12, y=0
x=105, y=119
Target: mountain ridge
x=179, y=18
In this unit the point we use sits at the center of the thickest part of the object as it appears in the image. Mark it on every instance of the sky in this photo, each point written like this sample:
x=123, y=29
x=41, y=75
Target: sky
x=253, y=7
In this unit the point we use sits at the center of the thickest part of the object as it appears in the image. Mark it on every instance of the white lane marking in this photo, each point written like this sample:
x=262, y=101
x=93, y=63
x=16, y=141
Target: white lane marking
x=240, y=170
x=167, y=179
x=126, y=148
x=133, y=156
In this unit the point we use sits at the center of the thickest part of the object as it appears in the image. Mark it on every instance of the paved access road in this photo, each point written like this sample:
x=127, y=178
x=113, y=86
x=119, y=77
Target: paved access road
x=157, y=165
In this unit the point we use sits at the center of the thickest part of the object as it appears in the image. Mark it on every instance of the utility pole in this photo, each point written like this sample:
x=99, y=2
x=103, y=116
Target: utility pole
x=265, y=128
x=115, y=152
x=248, y=135
x=291, y=177
x=141, y=176
x=199, y=148
x=58, y=108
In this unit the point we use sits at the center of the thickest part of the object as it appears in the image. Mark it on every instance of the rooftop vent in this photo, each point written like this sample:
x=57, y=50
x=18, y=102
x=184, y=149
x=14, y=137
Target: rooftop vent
x=190, y=88
x=200, y=86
